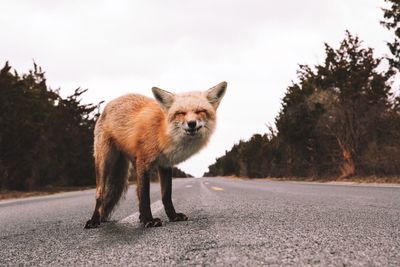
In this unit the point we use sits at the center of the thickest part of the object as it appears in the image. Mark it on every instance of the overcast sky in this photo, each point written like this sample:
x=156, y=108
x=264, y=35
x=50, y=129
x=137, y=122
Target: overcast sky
x=116, y=47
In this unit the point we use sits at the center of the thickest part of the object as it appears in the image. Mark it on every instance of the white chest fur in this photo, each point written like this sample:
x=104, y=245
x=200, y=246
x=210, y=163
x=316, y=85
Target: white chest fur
x=181, y=150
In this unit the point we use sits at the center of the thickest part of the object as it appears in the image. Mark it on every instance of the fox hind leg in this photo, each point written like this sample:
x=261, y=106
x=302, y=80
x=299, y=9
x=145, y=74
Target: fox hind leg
x=111, y=181
x=94, y=222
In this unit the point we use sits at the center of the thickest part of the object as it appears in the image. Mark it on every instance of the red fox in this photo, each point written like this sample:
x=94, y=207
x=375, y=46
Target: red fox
x=149, y=135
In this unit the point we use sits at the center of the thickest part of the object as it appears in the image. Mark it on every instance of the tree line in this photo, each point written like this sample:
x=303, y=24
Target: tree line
x=341, y=118
x=45, y=140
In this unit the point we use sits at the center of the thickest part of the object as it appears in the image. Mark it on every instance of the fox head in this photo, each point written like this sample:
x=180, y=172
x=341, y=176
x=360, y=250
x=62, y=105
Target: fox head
x=192, y=114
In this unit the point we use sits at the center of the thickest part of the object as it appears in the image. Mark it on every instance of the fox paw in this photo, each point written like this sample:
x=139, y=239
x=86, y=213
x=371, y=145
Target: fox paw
x=178, y=217
x=156, y=222
x=92, y=224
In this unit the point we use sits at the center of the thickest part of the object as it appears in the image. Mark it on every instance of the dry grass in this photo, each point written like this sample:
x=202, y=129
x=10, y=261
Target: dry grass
x=47, y=191
x=355, y=179
x=42, y=192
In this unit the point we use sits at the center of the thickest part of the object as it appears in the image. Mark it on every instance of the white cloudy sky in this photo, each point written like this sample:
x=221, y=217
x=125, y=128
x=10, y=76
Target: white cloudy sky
x=116, y=47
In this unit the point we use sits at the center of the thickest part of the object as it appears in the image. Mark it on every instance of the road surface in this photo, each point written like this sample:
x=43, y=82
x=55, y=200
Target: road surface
x=231, y=222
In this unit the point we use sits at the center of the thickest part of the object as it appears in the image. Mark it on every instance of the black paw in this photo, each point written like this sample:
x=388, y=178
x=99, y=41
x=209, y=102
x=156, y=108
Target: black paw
x=156, y=222
x=92, y=224
x=178, y=217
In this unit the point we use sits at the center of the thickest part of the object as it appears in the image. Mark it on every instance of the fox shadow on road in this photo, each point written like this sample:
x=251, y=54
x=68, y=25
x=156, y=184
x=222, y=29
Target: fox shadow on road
x=118, y=233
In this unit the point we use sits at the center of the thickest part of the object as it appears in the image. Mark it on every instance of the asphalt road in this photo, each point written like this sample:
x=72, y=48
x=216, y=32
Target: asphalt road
x=231, y=222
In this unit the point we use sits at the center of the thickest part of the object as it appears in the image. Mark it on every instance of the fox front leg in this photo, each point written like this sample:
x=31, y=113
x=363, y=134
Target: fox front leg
x=143, y=187
x=165, y=174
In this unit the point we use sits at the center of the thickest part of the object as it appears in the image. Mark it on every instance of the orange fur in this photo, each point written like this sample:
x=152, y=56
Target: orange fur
x=147, y=134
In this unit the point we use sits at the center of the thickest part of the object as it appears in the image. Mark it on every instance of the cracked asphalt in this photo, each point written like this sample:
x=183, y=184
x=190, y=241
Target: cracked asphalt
x=232, y=222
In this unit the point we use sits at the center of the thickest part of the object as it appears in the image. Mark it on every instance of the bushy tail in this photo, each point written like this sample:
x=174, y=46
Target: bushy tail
x=115, y=181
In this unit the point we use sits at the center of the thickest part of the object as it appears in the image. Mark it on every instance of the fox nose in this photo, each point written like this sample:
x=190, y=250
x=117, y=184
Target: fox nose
x=192, y=124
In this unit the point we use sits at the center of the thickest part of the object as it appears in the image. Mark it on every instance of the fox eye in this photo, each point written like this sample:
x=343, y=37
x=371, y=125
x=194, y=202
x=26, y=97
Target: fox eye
x=180, y=113
x=201, y=111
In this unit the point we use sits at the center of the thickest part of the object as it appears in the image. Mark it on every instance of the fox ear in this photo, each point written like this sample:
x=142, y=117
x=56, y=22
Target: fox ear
x=164, y=98
x=215, y=94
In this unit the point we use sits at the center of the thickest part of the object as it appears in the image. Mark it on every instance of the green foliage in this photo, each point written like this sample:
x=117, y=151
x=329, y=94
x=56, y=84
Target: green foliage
x=178, y=173
x=392, y=22
x=339, y=119
x=254, y=158
x=44, y=139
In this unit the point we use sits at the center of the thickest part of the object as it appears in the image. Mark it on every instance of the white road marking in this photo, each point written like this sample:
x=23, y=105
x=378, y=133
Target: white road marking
x=216, y=188
x=188, y=185
x=134, y=218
